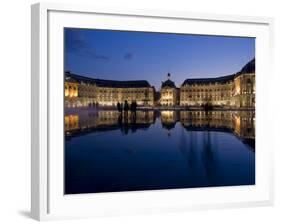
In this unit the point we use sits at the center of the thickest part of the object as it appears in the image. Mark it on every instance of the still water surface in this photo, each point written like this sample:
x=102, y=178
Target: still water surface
x=106, y=152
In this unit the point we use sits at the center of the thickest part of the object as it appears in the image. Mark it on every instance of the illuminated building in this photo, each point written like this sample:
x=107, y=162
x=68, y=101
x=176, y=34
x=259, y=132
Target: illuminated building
x=70, y=91
x=244, y=89
x=168, y=93
x=232, y=91
x=107, y=92
x=70, y=88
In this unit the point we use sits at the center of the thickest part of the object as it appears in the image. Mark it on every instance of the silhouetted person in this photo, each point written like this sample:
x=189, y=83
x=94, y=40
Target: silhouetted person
x=119, y=107
x=125, y=119
x=126, y=106
x=120, y=120
x=133, y=106
x=208, y=107
x=133, y=118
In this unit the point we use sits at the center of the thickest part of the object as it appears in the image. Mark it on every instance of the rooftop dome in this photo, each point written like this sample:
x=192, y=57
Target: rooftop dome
x=249, y=67
x=168, y=82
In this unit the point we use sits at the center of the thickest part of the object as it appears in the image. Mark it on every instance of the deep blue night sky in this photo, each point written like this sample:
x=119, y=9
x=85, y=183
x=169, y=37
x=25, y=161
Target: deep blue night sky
x=121, y=55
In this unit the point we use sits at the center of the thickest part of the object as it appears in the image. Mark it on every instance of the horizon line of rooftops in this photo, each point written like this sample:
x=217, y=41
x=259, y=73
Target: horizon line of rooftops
x=248, y=68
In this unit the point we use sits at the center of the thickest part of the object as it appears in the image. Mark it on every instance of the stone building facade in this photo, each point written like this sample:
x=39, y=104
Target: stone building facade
x=107, y=92
x=168, y=93
x=198, y=92
x=70, y=88
x=233, y=91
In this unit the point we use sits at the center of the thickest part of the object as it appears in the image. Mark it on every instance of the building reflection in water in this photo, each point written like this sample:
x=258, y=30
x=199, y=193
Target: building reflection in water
x=204, y=130
x=241, y=123
x=200, y=166
x=86, y=121
x=107, y=151
x=169, y=119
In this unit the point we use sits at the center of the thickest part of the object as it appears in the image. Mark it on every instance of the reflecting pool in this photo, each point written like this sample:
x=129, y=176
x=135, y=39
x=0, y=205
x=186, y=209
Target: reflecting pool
x=106, y=151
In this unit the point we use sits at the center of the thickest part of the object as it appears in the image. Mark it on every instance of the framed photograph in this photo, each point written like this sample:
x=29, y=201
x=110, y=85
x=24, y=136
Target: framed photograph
x=148, y=111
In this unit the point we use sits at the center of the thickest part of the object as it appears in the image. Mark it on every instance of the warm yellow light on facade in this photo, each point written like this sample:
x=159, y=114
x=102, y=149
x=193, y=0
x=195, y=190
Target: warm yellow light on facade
x=237, y=90
x=66, y=93
x=166, y=113
x=71, y=122
x=70, y=89
x=237, y=123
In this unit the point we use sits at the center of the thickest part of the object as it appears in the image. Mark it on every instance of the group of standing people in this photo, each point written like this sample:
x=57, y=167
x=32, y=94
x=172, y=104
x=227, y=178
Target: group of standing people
x=126, y=107
x=93, y=105
x=120, y=106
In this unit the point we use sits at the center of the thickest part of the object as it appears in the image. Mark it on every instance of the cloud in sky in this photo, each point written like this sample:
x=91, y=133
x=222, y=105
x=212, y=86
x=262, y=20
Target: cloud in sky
x=76, y=43
x=128, y=56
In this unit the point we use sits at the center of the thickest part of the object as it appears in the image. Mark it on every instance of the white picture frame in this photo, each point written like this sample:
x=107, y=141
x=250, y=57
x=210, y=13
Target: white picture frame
x=47, y=200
